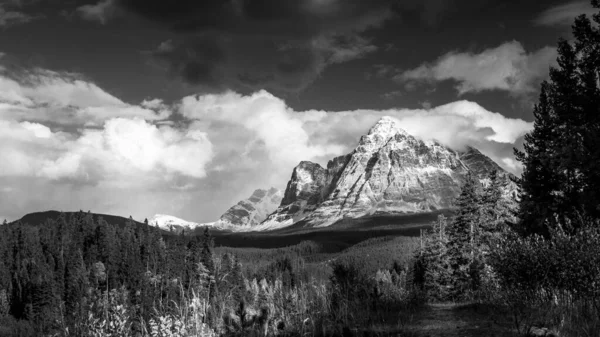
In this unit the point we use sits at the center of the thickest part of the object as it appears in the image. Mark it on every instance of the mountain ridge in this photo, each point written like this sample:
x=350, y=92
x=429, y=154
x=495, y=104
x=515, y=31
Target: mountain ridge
x=241, y=217
x=389, y=172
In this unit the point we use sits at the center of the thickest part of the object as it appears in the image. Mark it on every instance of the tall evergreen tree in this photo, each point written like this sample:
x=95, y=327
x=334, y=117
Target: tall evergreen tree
x=207, y=260
x=437, y=265
x=207, y=247
x=461, y=236
x=496, y=210
x=75, y=283
x=538, y=179
x=237, y=280
x=561, y=183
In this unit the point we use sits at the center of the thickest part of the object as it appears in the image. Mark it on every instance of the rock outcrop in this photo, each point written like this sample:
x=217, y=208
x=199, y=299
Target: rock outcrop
x=303, y=193
x=389, y=172
x=250, y=212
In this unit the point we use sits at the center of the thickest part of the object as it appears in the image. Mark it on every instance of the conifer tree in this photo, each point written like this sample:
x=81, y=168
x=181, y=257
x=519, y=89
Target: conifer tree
x=146, y=243
x=461, y=236
x=497, y=211
x=237, y=279
x=75, y=282
x=560, y=184
x=194, y=249
x=206, y=259
x=437, y=265
x=207, y=246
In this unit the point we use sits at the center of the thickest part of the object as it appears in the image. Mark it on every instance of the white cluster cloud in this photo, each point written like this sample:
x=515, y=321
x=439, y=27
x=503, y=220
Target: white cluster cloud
x=507, y=67
x=123, y=153
x=274, y=127
x=66, y=133
x=75, y=146
x=47, y=96
x=564, y=15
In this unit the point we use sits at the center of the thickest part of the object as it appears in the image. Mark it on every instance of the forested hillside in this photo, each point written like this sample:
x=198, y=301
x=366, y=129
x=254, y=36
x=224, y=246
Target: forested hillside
x=51, y=272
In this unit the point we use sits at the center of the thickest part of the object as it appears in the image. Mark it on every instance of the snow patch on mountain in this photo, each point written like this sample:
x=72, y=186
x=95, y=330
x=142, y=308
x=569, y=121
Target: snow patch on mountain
x=177, y=225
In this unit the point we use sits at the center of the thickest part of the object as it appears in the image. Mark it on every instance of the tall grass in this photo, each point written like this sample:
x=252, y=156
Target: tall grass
x=350, y=301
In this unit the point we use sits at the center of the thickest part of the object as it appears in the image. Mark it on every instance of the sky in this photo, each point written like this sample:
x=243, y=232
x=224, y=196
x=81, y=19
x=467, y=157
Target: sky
x=138, y=107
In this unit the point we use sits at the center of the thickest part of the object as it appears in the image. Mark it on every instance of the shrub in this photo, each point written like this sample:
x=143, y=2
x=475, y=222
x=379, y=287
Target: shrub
x=552, y=282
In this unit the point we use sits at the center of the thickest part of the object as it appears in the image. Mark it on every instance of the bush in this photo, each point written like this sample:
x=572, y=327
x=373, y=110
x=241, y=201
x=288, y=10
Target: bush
x=551, y=282
x=11, y=327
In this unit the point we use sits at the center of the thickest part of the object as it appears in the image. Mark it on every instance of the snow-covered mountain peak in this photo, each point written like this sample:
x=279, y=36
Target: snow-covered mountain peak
x=387, y=127
x=380, y=134
x=389, y=172
x=169, y=222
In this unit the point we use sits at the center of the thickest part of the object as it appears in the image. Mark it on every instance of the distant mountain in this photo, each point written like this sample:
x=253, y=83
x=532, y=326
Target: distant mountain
x=241, y=217
x=173, y=224
x=389, y=172
x=249, y=213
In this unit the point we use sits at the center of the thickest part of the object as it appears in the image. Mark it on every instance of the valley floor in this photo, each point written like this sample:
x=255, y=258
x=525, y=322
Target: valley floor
x=455, y=320
x=451, y=320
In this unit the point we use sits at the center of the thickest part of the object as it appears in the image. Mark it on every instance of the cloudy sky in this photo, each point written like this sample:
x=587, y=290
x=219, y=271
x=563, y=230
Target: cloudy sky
x=137, y=107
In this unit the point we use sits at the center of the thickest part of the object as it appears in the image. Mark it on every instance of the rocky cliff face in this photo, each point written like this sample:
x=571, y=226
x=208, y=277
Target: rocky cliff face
x=302, y=195
x=250, y=212
x=389, y=172
x=479, y=163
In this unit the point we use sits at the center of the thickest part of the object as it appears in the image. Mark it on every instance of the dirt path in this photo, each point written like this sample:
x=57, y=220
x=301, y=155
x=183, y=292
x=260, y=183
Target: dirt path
x=452, y=320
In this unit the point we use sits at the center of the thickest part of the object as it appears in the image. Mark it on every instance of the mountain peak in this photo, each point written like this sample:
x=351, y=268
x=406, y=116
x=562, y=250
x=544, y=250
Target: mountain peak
x=380, y=134
x=169, y=222
x=387, y=126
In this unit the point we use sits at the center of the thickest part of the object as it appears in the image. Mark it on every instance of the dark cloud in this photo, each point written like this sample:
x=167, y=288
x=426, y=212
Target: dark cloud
x=267, y=17
x=279, y=45
x=273, y=9
x=222, y=61
x=429, y=11
x=435, y=12
x=184, y=15
x=196, y=60
x=11, y=13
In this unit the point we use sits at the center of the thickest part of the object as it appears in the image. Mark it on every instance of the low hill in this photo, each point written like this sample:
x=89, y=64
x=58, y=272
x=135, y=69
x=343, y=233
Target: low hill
x=40, y=218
